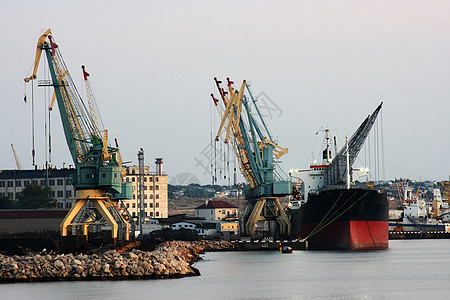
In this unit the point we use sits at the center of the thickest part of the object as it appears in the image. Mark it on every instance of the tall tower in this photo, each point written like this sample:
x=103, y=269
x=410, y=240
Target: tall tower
x=140, y=156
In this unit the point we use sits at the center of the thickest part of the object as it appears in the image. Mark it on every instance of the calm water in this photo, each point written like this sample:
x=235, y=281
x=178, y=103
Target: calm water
x=412, y=269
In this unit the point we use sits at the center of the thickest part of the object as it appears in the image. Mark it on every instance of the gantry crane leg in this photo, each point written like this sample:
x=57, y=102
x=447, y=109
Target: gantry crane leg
x=101, y=203
x=267, y=209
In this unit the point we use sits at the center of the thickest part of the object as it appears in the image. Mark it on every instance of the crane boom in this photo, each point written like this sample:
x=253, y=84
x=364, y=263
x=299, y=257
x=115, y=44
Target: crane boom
x=336, y=171
x=16, y=158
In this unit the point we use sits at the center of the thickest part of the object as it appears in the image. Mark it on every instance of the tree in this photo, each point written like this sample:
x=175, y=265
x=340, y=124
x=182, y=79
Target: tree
x=35, y=196
x=6, y=203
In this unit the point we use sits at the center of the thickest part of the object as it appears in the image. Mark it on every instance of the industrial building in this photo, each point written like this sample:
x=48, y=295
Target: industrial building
x=12, y=182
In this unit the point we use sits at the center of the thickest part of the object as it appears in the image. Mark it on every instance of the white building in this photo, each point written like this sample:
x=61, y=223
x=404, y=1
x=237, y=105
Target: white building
x=12, y=182
x=155, y=193
x=217, y=211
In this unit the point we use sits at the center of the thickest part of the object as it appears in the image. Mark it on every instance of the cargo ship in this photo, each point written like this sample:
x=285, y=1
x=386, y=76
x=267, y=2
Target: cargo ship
x=331, y=212
x=417, y=215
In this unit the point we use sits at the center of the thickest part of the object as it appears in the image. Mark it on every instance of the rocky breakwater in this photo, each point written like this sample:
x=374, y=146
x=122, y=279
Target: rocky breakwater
x=168, y=260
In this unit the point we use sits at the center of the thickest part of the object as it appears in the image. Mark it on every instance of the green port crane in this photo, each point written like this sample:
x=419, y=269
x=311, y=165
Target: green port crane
x=99, y=171
x=243, y=125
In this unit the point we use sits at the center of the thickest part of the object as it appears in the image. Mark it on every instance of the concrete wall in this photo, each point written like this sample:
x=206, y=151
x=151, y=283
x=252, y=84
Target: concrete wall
x=31, y=220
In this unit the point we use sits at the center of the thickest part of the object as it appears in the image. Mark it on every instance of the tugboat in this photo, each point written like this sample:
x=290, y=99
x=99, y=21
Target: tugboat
x=334, y=213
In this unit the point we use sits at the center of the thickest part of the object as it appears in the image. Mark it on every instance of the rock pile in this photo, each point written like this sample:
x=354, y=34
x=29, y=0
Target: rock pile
x=168, y=260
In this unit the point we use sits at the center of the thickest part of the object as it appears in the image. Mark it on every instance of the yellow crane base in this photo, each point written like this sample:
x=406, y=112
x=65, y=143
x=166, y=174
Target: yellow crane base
x=102, y=204
x=268, y=209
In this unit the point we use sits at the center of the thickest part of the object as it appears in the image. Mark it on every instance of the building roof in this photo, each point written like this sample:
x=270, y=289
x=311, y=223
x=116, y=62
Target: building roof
x=216, y=205
x=32, y=174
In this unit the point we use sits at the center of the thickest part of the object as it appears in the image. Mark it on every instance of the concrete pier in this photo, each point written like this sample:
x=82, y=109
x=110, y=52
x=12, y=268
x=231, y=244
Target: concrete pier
x=258, y=245
x=409, y=235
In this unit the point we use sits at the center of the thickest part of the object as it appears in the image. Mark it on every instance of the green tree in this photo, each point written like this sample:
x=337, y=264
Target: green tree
x=35, y=196
x=6, y=203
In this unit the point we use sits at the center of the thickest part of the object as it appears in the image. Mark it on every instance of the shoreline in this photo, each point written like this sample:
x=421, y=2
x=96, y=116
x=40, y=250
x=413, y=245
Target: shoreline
x=170, y=259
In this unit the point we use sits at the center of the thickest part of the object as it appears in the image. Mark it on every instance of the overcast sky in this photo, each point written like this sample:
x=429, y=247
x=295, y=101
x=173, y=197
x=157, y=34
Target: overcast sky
x=317, y=64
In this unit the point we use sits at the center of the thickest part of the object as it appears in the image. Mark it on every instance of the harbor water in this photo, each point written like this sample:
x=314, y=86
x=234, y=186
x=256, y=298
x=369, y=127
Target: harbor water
x=409, y=269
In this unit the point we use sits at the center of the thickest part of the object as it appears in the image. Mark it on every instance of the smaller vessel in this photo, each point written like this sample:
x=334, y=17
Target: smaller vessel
x=416, y=214
x=286, y=249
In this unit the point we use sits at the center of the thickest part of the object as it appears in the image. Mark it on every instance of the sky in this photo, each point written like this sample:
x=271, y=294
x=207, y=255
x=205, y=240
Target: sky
x=313, y=64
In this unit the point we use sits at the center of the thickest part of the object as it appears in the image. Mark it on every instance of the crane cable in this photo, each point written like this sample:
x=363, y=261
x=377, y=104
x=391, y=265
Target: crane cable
x=33, y=151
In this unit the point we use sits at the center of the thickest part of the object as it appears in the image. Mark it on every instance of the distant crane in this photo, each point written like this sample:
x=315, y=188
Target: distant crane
x=99, y=172
x=16, y=158
x=243, y=126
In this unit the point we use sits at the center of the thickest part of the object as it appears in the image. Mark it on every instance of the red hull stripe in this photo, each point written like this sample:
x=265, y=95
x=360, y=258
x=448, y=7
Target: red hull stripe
x=352, y=235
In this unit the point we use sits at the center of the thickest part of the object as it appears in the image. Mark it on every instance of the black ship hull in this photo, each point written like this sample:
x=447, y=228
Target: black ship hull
x=352, y=219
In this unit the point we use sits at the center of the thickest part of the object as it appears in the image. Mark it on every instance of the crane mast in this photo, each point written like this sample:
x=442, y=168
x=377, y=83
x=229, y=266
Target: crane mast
x=99, y=170
x=255, y=150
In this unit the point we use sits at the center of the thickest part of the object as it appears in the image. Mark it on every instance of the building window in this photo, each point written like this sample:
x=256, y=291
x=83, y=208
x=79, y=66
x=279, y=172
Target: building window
x=151, y=205
x=157, y=187
x=145, y=196
x=157, y=213
x=60, y=181
x=157, y=179
x=128, y=205
x=68, y=194
x=157, y=205
x=26, y=182
x=145, y=179
x=133, y=179
x=151, y=179
x=53, y=194
x=42, y=182
x=52, y=181
x=133, y=205
x=10, y=183
x=34, y=181
x=145, y=205
x=61, y=194
x=18, y=183
x=2, y=183
x=157, y=196
x=10, y=195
